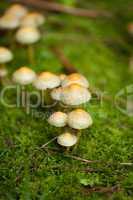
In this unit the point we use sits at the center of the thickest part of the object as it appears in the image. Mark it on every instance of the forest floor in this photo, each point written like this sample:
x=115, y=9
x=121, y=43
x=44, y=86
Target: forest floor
x=100, y=49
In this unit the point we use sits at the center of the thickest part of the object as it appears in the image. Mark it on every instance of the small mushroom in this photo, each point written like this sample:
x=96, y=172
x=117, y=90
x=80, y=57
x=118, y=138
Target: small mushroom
x=75, y=78
x=75, y=95
x=28, y=36
x=17, y=10
x=79, y=119
x=45, y=82
x=24, y=76
x=58, y=119
x=5, y=57
x=34, y=19
x=67, y=140
x=56, y=93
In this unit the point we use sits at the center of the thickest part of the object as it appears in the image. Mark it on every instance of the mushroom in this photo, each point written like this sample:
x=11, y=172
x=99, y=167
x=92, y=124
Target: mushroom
x=33, y=19
x=58, y=119
x=67, y=140
x=56, y=93
x=17, y=10
x=5, y=57
x=9, y=22
x=45, y=82
x=24, y=76
x=75, y=78
x=79, y=119
x=75, y=95
x=28, y=36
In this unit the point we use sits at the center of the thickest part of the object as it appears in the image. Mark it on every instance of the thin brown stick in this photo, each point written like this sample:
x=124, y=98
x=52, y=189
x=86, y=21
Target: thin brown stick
x=44, y=145
x=99, y=189
x=81, y=159
x=68, y=67
x=52, y=6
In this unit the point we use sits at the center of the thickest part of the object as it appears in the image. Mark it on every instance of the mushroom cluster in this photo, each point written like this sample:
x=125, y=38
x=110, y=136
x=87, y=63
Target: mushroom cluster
x=68, y=92
x=17, y=18
x=72, y=93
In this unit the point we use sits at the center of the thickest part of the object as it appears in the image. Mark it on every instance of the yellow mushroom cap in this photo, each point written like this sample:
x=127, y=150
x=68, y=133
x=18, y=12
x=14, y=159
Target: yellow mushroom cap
x=56, y=93
x=27, y=35
x=75, y=78
x=24, y=76
x=33, y=19
x=79, y=119
x=17, y=10
x=9, y=22
x=67, y=139
x=58, y=119
x=5, y=55
x=74, y=95
x=46, y=80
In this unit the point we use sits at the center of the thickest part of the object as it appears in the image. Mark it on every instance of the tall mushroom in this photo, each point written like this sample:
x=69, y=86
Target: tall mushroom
x=28, y=36
x=5, y=57
x=17, y=10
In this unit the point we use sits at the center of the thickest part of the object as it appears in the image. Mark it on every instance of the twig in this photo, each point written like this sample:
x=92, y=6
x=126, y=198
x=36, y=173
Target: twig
x=52, y=6
x=44, y=145
x=68, y=67
x=107, y=190
x=81, y=159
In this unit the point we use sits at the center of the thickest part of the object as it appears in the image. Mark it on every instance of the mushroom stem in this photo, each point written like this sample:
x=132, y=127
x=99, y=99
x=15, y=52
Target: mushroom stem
x=67, y=149
x=79, y=134
x=2, y=65
x=30, y=50
x=47, y=98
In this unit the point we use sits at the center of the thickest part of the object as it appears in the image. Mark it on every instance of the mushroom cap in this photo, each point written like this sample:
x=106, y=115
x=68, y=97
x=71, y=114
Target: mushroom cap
x=33, y=19
x=58, y=119
x=46, y=80
x=3, y=72
x=5, y=55
x=75, y=95
x=17, y=10
x=24, y=76
x=27, y=35
x=9, y=22
x=67, y=139
x=56, y=93
x=75, y=78
x=79, y=119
